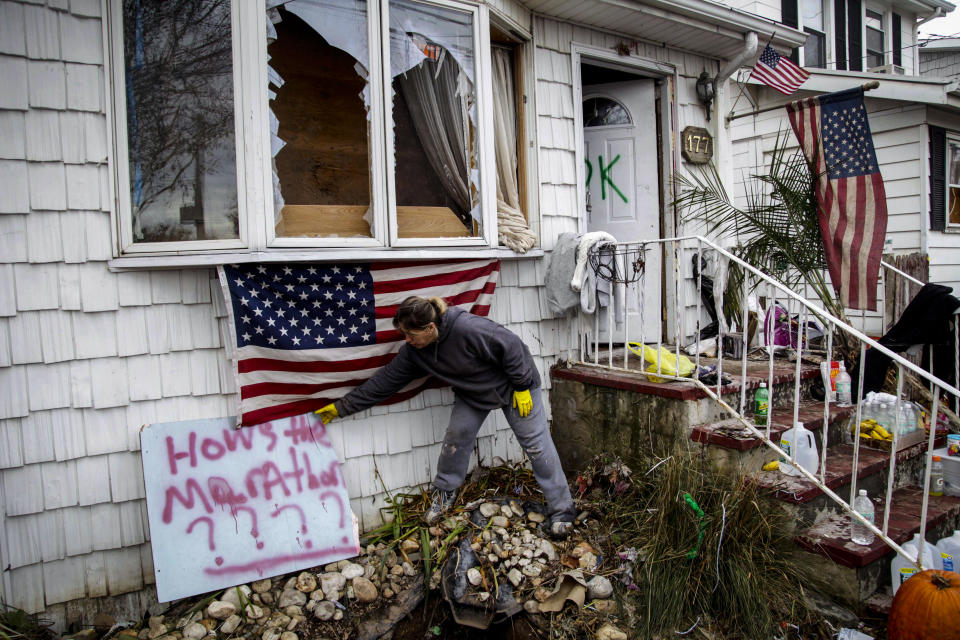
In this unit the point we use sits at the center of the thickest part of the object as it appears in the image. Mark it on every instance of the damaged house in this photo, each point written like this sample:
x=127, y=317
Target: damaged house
x=143, y=144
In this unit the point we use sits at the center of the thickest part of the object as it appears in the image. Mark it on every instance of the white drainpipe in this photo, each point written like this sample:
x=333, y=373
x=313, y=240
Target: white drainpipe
x=749, y=50
x=723, y=152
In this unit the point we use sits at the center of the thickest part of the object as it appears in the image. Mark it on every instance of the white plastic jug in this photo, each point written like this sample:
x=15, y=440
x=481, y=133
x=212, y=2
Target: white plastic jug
x=799, y=442
x=902, y=570
x=949, y=549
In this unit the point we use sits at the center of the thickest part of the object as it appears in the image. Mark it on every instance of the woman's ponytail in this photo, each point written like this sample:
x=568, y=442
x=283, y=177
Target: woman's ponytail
x=415, y=313
x=439, y=306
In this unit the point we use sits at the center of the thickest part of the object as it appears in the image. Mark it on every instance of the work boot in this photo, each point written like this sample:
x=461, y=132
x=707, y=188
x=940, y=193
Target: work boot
x=559, y=529
x=440, y=503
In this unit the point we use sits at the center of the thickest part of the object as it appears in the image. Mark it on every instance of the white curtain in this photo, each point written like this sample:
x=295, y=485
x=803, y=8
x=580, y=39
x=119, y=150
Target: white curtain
x=512, y=226
x=440, y=97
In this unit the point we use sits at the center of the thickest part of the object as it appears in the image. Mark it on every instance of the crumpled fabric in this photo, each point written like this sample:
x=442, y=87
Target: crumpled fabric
x=587, y=242
x=561, y=265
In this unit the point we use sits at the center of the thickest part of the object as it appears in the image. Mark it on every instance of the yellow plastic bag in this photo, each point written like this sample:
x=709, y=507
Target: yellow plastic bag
x=668, y=359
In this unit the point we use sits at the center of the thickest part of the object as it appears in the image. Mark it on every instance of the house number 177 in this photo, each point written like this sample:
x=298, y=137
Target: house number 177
x=696, y=145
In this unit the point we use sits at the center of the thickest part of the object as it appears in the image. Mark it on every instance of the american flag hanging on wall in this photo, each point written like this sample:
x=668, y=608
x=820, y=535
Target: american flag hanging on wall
x=306, y=334
x=835, y=137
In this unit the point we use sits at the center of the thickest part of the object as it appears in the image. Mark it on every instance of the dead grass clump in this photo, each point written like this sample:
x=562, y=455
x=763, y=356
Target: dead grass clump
x=710, y=549
x=17, y=624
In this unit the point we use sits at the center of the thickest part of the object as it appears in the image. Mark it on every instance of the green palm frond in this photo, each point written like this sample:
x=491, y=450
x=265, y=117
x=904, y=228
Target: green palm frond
x=776, y=231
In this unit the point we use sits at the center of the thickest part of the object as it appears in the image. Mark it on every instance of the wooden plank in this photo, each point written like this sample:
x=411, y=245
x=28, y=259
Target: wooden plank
x=346, y=221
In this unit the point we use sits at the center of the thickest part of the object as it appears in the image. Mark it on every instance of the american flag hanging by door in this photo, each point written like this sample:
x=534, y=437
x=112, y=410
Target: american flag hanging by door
x=835, y=137
x=307, y=334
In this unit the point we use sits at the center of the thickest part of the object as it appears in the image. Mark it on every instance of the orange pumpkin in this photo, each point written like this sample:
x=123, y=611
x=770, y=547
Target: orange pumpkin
x=926, y=607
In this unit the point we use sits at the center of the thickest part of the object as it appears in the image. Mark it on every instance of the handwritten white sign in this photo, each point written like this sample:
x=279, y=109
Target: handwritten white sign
x=228, y=506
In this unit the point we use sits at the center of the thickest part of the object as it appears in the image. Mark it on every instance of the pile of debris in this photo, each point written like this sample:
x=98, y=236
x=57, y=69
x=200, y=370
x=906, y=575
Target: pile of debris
x=648, y=554
x=504, y=563
x=323, y=601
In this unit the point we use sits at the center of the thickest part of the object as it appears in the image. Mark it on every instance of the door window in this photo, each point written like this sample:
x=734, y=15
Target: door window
x=602, y=112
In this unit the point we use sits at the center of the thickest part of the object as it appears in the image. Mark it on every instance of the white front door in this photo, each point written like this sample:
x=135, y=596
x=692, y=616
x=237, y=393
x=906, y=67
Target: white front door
x=622, y=187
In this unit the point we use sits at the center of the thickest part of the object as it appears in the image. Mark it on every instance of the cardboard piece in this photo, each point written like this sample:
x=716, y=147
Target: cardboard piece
x=572, y=587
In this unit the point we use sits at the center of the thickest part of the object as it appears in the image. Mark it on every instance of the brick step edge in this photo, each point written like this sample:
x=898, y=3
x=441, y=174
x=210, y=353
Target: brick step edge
x=831, y=536
x=838, y=473
x=731, y=434
x=637, y=382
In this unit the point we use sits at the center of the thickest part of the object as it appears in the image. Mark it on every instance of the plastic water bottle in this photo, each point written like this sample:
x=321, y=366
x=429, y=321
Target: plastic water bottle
x=882, y=416
x=843, y=387
x=949, y=549
x=761, y=405
x=908, y=417
x=936, y=476
x=902, y=570
x=868, y=410
x=863, y=505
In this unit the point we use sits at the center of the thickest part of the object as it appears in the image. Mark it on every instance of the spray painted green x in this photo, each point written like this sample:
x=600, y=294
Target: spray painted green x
x=605, y=178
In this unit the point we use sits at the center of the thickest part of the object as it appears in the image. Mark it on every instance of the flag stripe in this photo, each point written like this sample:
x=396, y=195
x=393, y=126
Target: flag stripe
x=464, y=297
x=307, y=335
x=296, y=388
x=310, y=366
x=434, y=280
x=282, y=410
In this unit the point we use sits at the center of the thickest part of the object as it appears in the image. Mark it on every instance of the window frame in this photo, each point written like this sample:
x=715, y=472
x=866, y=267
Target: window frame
x=952, y=137
x=122, y=216
x=884, y=30
x=485, y=160
x=825, y=6
x=257, y=233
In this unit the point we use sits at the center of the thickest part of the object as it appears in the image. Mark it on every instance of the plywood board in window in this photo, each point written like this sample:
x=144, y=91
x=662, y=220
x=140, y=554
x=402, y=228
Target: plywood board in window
x=346, y=221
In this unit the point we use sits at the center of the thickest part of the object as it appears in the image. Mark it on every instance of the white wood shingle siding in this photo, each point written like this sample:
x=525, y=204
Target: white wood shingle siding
x=88, y=356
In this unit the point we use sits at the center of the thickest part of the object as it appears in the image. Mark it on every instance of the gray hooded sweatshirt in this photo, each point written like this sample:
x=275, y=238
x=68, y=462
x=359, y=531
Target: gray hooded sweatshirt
x=483, y=362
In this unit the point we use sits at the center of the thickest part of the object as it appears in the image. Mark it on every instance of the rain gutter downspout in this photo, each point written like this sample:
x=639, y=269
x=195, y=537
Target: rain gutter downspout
x=722, y=142
x=749, y=50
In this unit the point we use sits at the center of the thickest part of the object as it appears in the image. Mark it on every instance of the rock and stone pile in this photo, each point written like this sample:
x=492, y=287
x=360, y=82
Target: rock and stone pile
x=307, y=604
x=496, y=558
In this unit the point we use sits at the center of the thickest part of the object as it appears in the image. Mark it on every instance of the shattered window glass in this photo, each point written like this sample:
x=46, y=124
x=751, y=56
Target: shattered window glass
x=180, y=125
x=434, y=121
x=318, y=67
x=601, y=112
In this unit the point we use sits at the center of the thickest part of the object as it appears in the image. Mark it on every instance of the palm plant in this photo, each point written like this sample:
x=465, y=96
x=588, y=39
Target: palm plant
x=776, y=231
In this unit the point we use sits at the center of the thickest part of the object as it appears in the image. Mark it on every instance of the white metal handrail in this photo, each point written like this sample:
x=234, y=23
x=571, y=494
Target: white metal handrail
x=676, y=250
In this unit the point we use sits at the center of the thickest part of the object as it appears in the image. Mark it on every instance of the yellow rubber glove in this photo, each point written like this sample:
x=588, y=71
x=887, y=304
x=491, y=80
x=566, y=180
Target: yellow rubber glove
x=522, y=402
x=327, y=413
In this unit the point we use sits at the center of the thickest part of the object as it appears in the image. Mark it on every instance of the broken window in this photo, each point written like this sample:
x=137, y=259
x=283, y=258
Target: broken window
x=181, y=167
x=318, y=69
x=364, y=123
x=437, y=174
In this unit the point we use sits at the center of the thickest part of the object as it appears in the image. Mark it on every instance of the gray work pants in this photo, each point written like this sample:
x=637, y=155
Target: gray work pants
x=533, y=434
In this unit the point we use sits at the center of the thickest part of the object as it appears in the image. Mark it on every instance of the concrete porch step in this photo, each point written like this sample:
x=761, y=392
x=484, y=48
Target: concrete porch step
x=632, y=378
x=831, y=536
x=838, y=473
x=731, y=434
